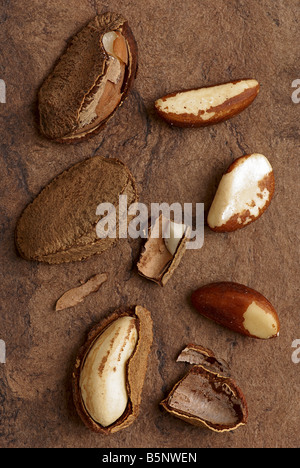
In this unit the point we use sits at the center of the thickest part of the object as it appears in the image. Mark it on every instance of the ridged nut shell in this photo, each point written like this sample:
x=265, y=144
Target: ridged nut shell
x=75, y=79
x=60, y=224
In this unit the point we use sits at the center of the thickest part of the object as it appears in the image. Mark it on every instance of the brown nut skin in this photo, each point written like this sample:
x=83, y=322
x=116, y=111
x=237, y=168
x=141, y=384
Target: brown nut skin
x=227, y=304
x=72, y=83
x=229, y=109
x=136, y=369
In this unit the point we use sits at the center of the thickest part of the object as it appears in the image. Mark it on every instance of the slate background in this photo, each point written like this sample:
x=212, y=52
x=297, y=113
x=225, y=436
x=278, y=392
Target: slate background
x=182, y=45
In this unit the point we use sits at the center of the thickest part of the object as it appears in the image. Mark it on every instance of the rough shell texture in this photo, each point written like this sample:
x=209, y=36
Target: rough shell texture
x=77, y=75
x=60, y=224
x=136, y=369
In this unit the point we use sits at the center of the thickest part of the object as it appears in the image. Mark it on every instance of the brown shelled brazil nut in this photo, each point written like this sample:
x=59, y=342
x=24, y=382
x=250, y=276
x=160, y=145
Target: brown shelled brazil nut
x=90, y=81
x=60, y=225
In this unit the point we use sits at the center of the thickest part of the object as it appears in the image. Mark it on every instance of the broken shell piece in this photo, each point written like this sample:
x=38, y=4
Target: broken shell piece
x=196, y=354
x=206, y=396
x=209, y=400
x=243, y=195
x=90, y=81
x=76, y=295
x=162, y=255
x=110, y=369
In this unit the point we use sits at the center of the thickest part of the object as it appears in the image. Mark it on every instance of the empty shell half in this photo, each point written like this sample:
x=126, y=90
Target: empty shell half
x=205, y=396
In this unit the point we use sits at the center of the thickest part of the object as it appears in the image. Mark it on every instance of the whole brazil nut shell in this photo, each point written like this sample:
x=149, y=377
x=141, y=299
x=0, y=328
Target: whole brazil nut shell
x=60, y=224
x=90, y=81
x=239, y=308
x=243, y=195
x=90, y=393
x=207, y=106
x=206, y=396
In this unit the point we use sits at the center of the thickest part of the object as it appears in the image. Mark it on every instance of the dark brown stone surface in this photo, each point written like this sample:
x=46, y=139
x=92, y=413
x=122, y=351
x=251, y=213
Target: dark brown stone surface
x=181, y=45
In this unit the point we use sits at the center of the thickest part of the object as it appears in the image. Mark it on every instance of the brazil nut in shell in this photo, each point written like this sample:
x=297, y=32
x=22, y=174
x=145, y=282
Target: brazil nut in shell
x=60, y=225
x=90, y=80
x=110, y=368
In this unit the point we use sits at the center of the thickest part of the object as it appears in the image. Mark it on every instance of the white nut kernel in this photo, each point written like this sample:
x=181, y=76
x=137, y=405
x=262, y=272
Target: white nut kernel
x=173, y=235
x=258, y=322
x=103, y=376
x=108, y=42
x=244, y=193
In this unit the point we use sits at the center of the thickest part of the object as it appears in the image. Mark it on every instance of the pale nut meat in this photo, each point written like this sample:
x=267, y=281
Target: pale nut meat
x=207, y=106
x=173, y=235
x=103, y=376
x=90, y=81
x=243, y=195
x=110, y=369
x=239, y=308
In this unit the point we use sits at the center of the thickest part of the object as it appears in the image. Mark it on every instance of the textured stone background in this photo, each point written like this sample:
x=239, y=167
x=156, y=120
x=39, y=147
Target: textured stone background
x=182, y=44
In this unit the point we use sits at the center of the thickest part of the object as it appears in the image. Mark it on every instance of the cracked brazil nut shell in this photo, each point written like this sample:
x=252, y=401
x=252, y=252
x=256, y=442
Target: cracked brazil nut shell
x=60, y=225
x=206, y=396
x=110, y=369
x=207, y=106
x=90, y=81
